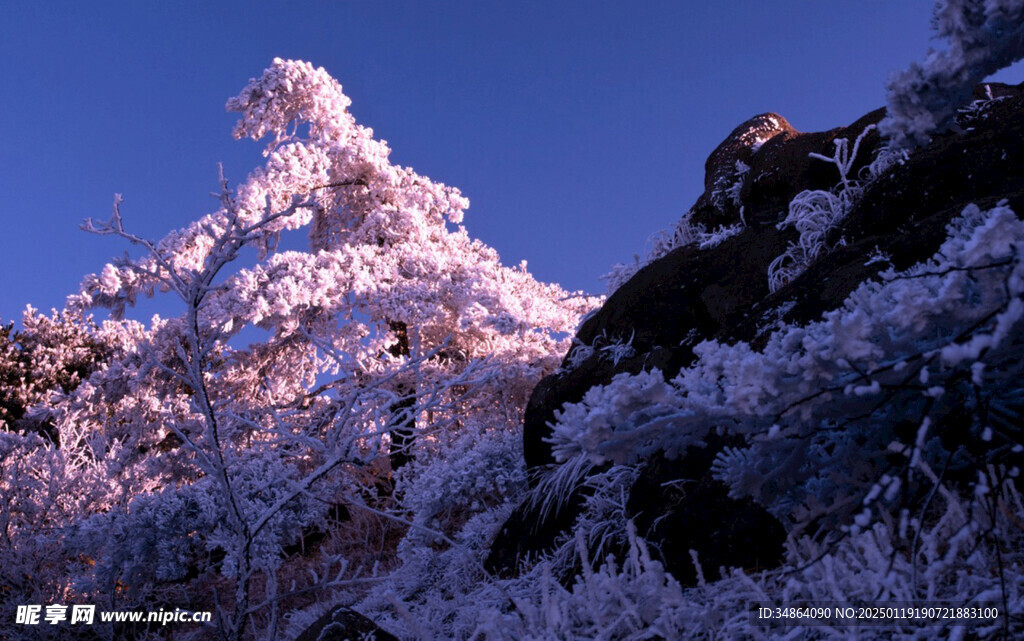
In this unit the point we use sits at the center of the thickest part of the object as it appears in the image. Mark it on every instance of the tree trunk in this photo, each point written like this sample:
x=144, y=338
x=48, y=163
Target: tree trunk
x=403, y=436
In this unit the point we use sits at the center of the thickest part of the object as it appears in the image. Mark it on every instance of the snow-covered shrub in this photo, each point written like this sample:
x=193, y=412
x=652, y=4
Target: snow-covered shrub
x=725, y=192
x=478, y=472
x=603, y=521
x=958, y=552
x=978, y=109
x=620, y=273
x=982, y=36
x=578, y=353
x=814, y=212
x=684, y=233
x=617, y=349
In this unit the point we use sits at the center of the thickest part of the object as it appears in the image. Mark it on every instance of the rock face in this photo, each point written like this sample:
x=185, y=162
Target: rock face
x=343, y=624
x=721, y=293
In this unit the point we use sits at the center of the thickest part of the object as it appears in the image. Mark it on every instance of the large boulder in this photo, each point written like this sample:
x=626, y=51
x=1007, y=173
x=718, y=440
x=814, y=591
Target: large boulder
x=344, y=624
x=694, y=294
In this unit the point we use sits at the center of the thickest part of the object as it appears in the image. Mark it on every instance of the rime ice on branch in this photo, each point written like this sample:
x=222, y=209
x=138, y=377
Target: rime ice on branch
x=984, y=36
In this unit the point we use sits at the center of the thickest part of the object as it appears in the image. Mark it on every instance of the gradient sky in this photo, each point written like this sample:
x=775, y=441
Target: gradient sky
x=577, y=129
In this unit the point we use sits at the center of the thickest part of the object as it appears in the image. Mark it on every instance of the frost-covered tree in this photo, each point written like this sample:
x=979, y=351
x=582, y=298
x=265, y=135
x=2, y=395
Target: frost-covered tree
x=49, y=354
x=40, y=480
x=304, y=397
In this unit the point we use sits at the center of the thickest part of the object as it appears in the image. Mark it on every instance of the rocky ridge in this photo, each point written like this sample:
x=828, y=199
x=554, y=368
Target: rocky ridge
x=721, y=292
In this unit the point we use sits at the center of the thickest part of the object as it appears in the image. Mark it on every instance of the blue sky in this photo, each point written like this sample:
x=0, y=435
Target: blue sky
x=577, y=129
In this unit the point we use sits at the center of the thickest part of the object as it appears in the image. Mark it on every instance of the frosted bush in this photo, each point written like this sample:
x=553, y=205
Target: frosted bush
x=685, y=232
x=951, y=559
x=814, y=212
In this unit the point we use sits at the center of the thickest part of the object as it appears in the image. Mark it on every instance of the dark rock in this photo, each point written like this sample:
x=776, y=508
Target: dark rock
x=720, y=170
x=344, y=624
x=530, y=531
x=691, y=295
x=679, y=506
x=904, y=213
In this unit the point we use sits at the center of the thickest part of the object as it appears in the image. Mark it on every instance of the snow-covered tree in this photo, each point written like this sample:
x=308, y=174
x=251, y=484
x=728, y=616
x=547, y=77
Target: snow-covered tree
x=392, y=344
x=49, y=354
